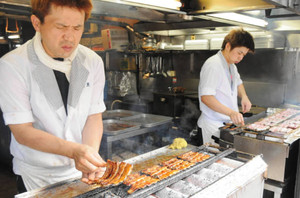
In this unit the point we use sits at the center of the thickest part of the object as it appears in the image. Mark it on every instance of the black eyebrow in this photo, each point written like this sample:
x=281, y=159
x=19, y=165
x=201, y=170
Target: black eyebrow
x=61, y=24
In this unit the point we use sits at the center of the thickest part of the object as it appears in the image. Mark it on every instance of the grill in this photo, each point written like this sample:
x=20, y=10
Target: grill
x=218, y=158
x=278, y=152
x=121, y=190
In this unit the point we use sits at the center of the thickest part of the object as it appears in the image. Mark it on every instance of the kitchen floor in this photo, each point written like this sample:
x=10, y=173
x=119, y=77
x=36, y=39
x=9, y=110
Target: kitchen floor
x=8, y=187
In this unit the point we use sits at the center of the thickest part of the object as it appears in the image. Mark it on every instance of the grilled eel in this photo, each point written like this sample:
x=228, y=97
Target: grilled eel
x=116, y=178
x=109, y=166
x=127, y=170
x=170, y=161
x=133, y=178
x=113, y=173
x=146, y=181
x=153, y=170
x=165, y=173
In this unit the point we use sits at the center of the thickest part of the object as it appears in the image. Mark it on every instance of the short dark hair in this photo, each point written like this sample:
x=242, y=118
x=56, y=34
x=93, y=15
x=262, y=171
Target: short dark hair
x=239, y=38
x=41, y=8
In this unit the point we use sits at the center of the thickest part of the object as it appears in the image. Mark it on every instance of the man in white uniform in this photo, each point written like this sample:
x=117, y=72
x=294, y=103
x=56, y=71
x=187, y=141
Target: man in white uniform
x=220, y=85
x=52, y=98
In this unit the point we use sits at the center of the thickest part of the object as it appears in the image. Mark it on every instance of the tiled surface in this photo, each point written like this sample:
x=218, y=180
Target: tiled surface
x=7, y=182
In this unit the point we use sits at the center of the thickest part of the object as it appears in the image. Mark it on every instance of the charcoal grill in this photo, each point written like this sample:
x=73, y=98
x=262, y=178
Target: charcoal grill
x=58, y=190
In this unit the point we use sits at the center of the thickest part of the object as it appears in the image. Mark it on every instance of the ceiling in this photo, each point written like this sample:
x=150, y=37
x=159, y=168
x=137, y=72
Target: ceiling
x=283, y=16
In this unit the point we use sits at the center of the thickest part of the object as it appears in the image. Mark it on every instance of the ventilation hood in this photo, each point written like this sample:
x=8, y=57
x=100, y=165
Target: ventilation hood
x=193, y=18
x=212, y=6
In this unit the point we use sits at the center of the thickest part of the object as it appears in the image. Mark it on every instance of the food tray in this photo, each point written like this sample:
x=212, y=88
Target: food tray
x=118, y=113
x=149, y=120
x=114, y=127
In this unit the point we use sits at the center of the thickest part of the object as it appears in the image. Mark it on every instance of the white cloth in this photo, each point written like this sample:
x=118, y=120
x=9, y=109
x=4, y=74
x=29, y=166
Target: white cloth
x=62, y=66
x=209, y=128
x=29, y=93
x=215, y=79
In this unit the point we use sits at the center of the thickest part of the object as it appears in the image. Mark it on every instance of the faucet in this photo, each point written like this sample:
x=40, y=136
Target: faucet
x=112, y=104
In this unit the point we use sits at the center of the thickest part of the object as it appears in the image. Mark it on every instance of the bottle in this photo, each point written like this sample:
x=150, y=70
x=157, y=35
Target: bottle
x=174, y=83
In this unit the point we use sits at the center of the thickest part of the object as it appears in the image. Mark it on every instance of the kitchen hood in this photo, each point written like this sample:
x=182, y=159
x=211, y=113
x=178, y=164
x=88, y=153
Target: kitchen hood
x=213, y=6
x=194, y=7
x=192, y=13
x=195, y=18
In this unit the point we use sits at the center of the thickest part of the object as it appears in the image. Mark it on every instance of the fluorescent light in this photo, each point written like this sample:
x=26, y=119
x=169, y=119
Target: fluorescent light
x=172, y=4
x=2, y=37
x=13, y=36
x=196, y=42
x=217, y=39
x=240, y=18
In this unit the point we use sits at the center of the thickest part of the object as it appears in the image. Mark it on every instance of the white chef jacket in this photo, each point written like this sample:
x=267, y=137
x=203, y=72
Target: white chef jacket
x=29, y=93
x=221, y=81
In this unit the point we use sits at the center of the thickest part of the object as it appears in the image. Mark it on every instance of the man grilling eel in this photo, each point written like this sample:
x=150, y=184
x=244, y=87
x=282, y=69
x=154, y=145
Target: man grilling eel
x=220, y=85
x=52, y=98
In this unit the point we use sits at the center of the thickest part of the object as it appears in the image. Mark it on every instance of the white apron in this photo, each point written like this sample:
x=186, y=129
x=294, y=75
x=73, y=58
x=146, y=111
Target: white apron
x=215, y=80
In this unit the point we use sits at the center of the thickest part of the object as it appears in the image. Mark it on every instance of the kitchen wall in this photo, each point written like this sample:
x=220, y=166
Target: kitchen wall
x=269, y=75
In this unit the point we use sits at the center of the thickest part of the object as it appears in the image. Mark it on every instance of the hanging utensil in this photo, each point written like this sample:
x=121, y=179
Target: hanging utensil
x=137, y=65
x=163, y=68
x=158, y=65
x=152, y=63
x=172, y=72
x=147, y=70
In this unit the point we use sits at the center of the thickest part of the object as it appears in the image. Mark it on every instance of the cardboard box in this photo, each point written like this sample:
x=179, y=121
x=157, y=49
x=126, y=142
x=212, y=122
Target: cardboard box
x=114, y=39
x=91, y=41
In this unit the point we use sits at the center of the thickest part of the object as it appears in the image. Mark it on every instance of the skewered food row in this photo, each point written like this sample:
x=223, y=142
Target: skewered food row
x=273, y=121
x=138, y=181
x=115, y=173
x=163, y=170
x=177, y=164
x=287, y=126
x=194, y=157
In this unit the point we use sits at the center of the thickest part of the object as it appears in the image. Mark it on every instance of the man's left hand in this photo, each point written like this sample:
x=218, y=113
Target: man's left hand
x=89, y=178
x=246, y=104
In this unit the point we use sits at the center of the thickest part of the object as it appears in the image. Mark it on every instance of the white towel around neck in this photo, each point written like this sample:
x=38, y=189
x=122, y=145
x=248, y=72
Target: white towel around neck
x=62, y=66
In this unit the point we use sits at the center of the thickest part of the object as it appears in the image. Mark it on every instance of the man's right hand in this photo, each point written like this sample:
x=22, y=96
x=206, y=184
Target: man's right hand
x=237, y=118
x=87, y=160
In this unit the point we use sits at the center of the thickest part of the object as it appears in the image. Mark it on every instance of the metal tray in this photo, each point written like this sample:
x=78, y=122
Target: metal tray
x=149, y=120
x=114, y=127
x=119, y=113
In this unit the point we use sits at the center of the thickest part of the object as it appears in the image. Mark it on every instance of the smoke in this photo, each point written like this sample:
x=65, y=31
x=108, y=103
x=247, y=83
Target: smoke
x=189, y=117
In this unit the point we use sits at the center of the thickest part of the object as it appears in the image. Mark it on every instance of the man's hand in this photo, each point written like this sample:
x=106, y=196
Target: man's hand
x=237, y=118
x=87, y=160
x=90, y=177
x=246, y=104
